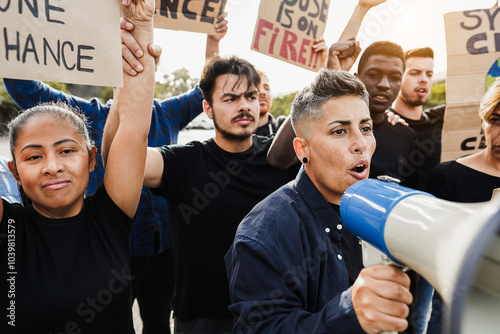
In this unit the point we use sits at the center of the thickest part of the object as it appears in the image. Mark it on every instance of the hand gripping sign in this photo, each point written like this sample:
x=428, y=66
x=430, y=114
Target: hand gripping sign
x=286, y=30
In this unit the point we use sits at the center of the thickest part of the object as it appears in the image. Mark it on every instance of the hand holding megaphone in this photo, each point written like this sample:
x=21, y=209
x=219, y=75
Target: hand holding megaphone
x=380, y=297
x=454, y=246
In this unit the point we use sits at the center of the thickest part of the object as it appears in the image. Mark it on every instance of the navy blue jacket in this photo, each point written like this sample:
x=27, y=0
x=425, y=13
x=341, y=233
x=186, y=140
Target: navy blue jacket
x=286, y=270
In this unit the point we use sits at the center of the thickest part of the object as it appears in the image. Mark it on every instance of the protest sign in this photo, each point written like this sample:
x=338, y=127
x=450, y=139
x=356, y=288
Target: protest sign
x=473, y=48
x=66, y=41
x=286, y=30
x=188, y=15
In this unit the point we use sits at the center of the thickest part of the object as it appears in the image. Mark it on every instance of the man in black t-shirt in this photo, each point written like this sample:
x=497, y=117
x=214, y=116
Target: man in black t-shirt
x=381, y=69
x=210, y=187
x=415, y=89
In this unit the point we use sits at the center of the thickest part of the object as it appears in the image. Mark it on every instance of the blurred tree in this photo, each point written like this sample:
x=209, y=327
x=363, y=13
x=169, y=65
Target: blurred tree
x=437, y=96
x=175, y=83
x=281, y=105
x=59, y=86
x=8, y=110
x=106, y=94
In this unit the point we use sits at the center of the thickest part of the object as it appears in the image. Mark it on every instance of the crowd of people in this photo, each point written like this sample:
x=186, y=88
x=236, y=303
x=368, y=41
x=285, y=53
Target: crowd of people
x=240, y=233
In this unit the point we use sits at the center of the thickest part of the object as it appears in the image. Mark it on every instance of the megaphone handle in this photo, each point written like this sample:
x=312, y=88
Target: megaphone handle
x=373, y=256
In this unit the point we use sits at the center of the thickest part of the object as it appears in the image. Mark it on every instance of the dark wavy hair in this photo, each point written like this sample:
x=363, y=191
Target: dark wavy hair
x=217, y=66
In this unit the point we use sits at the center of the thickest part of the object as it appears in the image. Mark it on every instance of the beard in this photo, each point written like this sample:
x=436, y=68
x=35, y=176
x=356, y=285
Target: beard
x=416, y=102
x=231, y=136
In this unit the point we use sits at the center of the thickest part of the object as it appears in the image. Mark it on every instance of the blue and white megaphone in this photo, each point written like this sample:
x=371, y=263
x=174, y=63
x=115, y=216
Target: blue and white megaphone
x=454, y=246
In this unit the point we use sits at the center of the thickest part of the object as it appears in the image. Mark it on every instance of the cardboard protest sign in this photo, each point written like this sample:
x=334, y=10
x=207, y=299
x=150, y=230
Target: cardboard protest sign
x=473, y=47
x=286, y=30
x=66, y=41
x=188, y=15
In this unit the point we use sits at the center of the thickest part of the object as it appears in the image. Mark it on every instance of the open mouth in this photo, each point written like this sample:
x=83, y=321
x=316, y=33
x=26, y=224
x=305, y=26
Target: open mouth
x=422, y=91
x=360, y=171
x=359, y=168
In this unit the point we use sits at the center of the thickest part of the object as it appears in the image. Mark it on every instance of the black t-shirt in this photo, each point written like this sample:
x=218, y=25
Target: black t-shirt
x=428, y=129
x=395, y=148
x=271, y=127
x=68, y=275
x=455, y=182
x=209, y=192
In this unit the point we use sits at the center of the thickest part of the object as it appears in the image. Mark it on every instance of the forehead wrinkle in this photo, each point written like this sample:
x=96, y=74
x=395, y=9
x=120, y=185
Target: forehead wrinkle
x=237, y=83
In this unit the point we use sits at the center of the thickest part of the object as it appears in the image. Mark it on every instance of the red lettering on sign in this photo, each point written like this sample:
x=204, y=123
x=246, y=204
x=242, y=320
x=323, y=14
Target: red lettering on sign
x=288, y=44
x=260, y=31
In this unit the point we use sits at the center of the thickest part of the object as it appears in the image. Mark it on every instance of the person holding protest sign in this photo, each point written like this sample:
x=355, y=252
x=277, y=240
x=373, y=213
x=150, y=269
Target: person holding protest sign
x=381, y=69
x=65, y=262
x=151, y=237
x=210, y=186
x=415, y=89
x=286, y=269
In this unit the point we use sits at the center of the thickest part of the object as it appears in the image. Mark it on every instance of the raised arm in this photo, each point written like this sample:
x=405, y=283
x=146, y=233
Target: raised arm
x=352, y=28
x=29, y=93
x=281, y=155
x=130, y=116
x=343, y=54
x=212, y=47
x=320, y=46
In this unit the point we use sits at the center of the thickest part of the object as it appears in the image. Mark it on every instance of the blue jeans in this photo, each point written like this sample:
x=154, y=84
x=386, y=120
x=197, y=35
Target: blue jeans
x=422, y=305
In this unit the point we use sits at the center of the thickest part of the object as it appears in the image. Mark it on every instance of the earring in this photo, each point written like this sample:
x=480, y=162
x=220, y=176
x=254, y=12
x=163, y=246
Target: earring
x=305, y=160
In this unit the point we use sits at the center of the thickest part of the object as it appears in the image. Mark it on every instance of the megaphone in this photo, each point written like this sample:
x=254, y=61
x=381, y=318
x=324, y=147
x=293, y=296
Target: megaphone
x=454, y=246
